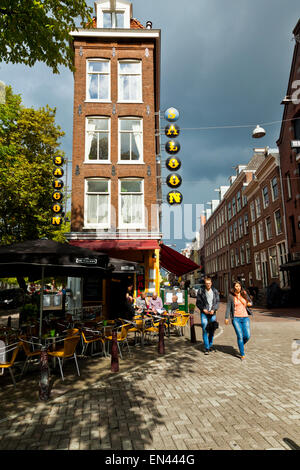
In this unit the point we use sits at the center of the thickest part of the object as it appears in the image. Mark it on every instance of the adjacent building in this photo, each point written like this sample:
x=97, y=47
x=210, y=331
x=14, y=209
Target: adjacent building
x=289, y=149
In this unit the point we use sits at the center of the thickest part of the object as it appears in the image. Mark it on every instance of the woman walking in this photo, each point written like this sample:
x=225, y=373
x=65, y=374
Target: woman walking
x=238, y=310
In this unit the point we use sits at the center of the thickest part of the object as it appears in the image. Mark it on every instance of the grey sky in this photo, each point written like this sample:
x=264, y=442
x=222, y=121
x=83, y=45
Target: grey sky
x=224, y=62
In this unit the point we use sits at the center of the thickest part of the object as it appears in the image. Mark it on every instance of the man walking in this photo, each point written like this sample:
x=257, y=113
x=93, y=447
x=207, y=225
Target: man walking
x=208, y=300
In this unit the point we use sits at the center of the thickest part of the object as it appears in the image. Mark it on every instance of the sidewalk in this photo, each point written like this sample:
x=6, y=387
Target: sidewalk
x=182, y=400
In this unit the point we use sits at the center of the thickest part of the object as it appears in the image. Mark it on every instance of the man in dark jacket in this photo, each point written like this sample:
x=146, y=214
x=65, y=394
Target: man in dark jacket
x=208, y=300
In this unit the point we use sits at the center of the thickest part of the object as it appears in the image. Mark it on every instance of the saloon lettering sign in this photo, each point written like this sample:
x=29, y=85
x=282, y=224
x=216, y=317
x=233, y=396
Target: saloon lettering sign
x=173, y=163
x=57, y=196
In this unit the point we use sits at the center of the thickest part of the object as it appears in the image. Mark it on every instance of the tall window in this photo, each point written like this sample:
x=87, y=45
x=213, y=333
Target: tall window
x=97, y=139
x=246, y=224
x=288, y=185
x=230, y=234
x=257, y=205
x=268, y=228
x=273, y=262
x=130, y=140
x=274, y=185
x=113, y=19
x=278, y=222
x=248, y=253
x=232, y=258
x=265, y=196
x=131, y=204
x=254, y=235
x=233, y=207
x=235, y=231
x=97, y=202
x=242, y=254
x=238, y=201
x=252, y=211
x=237, y=257
x=241, y=232
x=98, y=80
x=130, y=80
x=229, y=210
x=257, y=266
x=261, y=232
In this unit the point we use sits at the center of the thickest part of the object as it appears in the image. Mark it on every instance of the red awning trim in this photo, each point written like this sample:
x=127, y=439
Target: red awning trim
x=106, y=245
x=175, y=262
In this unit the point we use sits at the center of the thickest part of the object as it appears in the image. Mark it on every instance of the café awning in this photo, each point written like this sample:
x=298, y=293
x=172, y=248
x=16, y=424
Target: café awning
x=175, y=262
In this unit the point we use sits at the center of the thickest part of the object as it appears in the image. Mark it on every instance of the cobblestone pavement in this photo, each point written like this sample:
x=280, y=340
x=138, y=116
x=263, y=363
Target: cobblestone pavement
x=183, y=400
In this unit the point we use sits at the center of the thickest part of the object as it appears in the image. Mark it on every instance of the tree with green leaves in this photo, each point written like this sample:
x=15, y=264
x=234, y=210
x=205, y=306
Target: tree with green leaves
x=29, y=140
x=38, y=30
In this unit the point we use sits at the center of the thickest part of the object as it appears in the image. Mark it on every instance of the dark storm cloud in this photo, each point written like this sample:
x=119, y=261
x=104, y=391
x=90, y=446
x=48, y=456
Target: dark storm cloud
x=224, y=62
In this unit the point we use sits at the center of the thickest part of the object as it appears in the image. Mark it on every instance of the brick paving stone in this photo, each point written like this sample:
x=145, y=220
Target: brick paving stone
x=178, y=401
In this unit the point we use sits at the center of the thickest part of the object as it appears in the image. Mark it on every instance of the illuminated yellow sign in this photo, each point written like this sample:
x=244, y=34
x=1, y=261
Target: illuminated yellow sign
x=56, y=220
x=172, y=130
x=57, y=184
x=173, y=163
x=58, y=172
x=58, y=161
x=174, y=197
x=174, y=180
x=57, y=196
x=57, y=208
x=172, y=147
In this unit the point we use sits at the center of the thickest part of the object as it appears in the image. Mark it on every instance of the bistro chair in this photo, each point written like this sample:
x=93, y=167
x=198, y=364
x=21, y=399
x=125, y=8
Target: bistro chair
x=88, y=337
x=121, y=338
x=180, y=323
x=30, y=355
x=68, y=351
x=9, y=365
x=152, y=330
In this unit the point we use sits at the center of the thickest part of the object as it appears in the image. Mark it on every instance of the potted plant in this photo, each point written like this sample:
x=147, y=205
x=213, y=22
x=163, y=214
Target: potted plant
x=192, y=308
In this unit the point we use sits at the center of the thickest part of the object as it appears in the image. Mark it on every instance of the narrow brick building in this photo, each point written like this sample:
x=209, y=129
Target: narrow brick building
x=115, y=176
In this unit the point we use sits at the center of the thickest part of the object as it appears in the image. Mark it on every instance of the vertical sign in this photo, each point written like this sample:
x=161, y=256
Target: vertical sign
x=173, y=163
x=57, y=195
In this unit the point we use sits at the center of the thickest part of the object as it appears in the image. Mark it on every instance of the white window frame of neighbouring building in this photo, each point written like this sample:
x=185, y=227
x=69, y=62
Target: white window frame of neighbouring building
x=273, y=259
x=98, y=72
x=127, y=194
x=101, y=198
x=130, y=78
x=131, y=138
x=97, y=134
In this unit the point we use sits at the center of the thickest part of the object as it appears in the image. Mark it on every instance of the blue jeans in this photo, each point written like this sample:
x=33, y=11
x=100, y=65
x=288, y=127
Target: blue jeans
x=207, y=338
x=242, y=329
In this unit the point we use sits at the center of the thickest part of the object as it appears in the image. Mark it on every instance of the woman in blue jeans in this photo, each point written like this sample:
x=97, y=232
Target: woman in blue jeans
x=238, y=310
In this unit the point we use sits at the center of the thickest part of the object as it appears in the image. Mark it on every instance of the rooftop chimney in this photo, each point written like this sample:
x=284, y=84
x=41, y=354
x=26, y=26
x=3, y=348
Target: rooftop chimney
x=149, y=25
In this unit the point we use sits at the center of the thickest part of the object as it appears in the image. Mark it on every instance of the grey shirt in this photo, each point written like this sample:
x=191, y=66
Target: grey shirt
x=209, y=295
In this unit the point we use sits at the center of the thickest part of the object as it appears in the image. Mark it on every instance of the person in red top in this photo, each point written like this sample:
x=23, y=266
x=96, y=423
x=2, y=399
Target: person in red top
x=238, y=309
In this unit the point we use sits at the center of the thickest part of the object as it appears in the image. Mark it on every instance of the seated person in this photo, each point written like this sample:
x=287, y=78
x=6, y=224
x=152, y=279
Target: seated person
x=174, y=305
x=155, y=303
x=142, y=302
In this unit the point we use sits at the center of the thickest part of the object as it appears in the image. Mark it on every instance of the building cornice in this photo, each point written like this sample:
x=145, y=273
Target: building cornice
x=116, y=33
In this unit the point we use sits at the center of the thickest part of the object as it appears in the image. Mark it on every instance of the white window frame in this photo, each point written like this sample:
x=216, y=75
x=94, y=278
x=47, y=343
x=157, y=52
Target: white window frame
x=254, y=235
x=242, y=255
x=273, y=275
x=263, y=197
x=130, y=226
x=113, y=22
x=268, y=236
x=247, y=251
x=97, y=162
x=258, y=272
x=252, y=211
x=246, y=225
x=288, y=185
x=275, y=222
x=130, y=162
x=105, y=225
x=233, y=205
x=274, y=198
x=140, y=100
x=97, y=59
x=261, y=236
x=258, y=207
